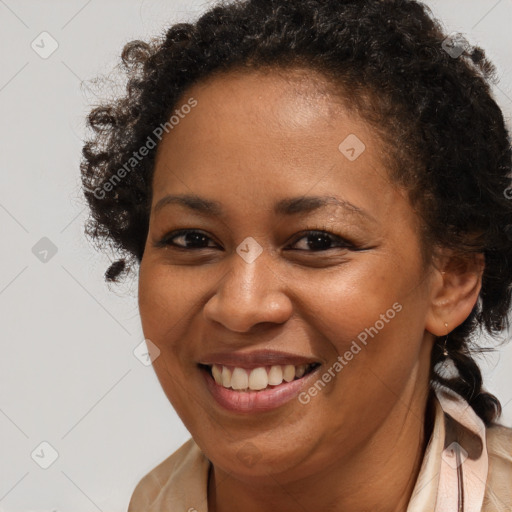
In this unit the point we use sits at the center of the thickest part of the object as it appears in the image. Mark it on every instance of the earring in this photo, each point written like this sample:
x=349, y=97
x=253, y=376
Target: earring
x=445, y=350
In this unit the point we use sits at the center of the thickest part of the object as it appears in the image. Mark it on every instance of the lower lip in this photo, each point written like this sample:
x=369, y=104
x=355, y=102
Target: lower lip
x=256, y=401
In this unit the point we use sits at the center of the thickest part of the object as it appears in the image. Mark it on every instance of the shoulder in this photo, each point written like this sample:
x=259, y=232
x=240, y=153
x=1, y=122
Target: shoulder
x=186, y=467
x=498, y=494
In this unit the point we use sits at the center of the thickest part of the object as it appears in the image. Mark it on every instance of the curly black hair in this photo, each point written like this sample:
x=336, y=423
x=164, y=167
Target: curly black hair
x=427, y=94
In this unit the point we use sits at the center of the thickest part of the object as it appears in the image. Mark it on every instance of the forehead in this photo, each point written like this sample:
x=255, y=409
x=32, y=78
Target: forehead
x=265, y=135
x=277, y=94
x=292, y=115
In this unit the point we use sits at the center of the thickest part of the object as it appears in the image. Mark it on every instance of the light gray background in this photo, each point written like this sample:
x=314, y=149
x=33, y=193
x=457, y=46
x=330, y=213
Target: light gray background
x=68, y=373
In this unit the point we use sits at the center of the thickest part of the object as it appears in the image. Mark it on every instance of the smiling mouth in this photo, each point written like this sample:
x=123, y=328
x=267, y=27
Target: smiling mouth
x=256, y=379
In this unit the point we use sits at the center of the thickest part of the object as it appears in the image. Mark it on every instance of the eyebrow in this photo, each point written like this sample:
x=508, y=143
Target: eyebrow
x=288, y=206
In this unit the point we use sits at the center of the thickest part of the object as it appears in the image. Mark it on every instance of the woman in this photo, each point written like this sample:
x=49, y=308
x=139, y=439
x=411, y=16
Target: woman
x=316, y=195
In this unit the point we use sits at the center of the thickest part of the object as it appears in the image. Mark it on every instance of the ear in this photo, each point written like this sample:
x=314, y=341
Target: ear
x=455, y=285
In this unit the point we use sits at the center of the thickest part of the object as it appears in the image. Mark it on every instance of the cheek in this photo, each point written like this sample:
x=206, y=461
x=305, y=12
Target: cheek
x=343, y=303
x=164, y=303
x=165, y=299
x=373, y=317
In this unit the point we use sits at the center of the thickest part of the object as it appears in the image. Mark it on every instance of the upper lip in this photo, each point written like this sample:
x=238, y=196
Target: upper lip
x=256, y=358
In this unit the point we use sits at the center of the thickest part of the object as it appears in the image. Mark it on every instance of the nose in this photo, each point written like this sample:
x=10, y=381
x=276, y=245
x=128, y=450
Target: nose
x=249, y=294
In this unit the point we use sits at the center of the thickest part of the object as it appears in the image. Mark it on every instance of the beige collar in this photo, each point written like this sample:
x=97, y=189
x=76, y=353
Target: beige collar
x=454, y=470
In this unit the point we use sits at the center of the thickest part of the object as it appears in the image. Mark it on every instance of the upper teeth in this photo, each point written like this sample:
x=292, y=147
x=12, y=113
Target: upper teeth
x=257, y=378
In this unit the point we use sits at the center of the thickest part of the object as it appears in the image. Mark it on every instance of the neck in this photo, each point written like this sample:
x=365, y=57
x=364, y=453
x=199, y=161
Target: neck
x=379, y=476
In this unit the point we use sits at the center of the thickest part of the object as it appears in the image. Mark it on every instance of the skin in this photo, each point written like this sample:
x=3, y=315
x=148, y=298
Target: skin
x=253, y=139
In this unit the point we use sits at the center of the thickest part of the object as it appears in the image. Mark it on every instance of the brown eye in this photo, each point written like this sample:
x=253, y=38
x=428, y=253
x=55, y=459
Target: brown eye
x=322, y=241
x=190, y=240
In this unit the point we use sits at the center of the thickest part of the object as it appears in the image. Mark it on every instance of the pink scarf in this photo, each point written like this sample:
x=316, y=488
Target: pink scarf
x=455, y=466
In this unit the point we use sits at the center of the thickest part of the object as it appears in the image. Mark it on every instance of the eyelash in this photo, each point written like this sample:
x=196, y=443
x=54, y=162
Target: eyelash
x=341, y=242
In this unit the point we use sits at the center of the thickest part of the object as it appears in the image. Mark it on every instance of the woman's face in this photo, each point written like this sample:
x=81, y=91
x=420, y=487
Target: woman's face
x=251, y=288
